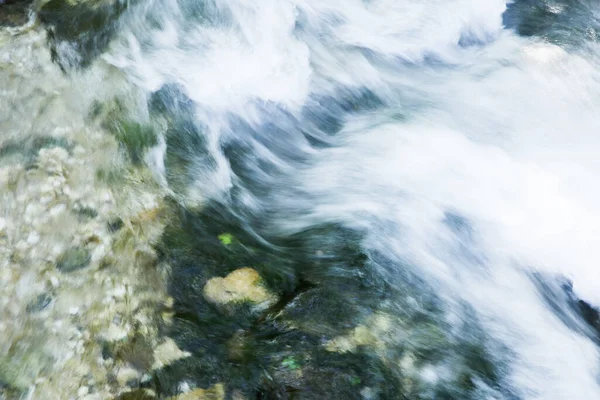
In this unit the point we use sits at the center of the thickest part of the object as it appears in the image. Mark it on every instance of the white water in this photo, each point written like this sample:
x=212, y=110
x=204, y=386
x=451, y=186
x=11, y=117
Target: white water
x=503, y=132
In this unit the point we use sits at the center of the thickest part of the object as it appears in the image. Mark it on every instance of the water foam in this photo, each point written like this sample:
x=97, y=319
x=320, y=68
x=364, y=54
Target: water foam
x=495, y=128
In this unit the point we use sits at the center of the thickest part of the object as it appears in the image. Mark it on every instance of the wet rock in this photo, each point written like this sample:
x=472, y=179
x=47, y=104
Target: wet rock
x=86, y=212
x=126, y=375
x=14, y=12
x=242, y=285
x=83, y=391
x=39, y=303
x=139, y=394
x=216, y=392
x=166, y=353
x=78, y=31
x=73, y=259
x=115, y=225
x=21, y=366
x=373, y=333
x=53, y=160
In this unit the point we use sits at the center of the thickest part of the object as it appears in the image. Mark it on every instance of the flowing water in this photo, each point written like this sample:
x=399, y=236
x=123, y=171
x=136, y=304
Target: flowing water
x=416, y=180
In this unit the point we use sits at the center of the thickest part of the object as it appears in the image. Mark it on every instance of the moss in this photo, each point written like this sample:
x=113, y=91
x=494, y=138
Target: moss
x=135, y=138
x=226, y=238
x=111, y=176
x=290, y=363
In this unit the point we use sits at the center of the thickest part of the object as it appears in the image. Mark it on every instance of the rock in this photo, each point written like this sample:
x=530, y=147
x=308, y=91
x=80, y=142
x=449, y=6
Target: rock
x=52, y=160
x=138, y=394
x=83, y=391
x=216, y=392
x=166, y=353
x=87, y=26
x=73, y=259
x=41, y=302
x=14, y=12
x=115, y=225
x=373, y=333
x=33, y=238
x=241, y=285
x=127, y=374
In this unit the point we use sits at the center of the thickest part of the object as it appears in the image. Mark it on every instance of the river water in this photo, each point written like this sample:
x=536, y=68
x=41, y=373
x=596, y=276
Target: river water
x=431, y=161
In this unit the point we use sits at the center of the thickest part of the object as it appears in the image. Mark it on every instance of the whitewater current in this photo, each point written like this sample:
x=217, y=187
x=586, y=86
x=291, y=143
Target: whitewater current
x=466, y=152
x=459, y=137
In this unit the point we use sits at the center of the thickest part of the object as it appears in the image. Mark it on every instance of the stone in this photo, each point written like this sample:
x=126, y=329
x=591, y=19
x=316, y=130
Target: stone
x=138, y=394
x=216, y=392
x=14, y=13
x=373, y=334
x=33, y=238
x=115, y=225
x=127, y=374
x=166, y=353
x=39, y=303
x=84, y=390
x=73, y=259
x=241, y=285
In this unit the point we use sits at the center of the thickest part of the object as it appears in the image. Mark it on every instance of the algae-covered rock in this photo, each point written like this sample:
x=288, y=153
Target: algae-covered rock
x=241, y=285
x=73, y=259
x=216, y=392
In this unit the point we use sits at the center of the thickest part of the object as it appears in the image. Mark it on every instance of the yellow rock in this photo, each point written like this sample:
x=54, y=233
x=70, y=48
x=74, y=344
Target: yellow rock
x=373, y=334
x=217, y=392
x=166, y=353
x=240, y=285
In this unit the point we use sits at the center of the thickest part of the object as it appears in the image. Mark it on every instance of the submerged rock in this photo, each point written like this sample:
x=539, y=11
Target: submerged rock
x=216, y=392
x=73, y=259
x=39, y=303
x=79, y=31
x=14, y=12
x=139, y=394
x=241, y=285
x=374, y=333
x=166, y=353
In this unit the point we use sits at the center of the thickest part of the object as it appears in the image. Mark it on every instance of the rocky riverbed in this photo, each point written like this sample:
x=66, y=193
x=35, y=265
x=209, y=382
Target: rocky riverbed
x=78, y=271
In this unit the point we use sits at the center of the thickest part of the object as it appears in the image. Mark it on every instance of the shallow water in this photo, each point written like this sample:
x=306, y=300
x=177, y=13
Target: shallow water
x=413, y=179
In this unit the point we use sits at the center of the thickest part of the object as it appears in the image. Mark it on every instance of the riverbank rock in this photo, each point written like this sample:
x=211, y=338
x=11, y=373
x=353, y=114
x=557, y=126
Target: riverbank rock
x=241, y=285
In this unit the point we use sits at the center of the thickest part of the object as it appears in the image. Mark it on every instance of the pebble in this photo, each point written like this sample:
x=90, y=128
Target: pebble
x=84, y=390
x=73, y=259
x=126, y=374
x=33, y=238
x=58, y=209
